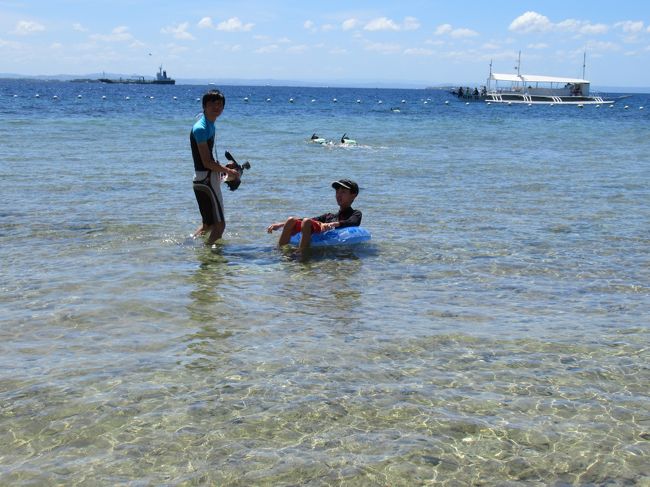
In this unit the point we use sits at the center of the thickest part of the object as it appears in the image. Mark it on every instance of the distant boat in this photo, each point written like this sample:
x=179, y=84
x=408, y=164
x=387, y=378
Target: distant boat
x=533, y=89
x=161, y=79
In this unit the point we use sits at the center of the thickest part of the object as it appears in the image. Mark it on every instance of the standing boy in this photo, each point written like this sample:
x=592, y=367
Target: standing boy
x=346, y=192
x=207, y=171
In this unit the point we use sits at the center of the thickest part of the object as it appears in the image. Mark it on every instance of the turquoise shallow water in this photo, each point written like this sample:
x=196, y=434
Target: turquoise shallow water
x=495, y=330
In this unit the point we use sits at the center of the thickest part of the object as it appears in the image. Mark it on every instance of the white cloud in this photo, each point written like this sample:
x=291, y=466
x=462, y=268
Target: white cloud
x=228, y=47
x=78, y=27
x=457, y=55
x=10, y=44
x=460, y=33
x=504, y=55
x=118, y=34
x=630, y=26
x=311, y=26
x=601, y=46
x=205, y=23
x=448, y=29
x=581, y=27
x=410, y=23
x=233, y=24
x=179, y=31
x=594, y=29
x=176, y=50
x=383, y=47
x=539, y=45
x=530, y=22
x=349, y=24
x=443, y=29
x=381, y=23
x=384, y=23
x=26, y=27
x=491, y=46
x=436, y=43
x=632, y=30
x=418, y=51
x=298, y=49
x=267, y=49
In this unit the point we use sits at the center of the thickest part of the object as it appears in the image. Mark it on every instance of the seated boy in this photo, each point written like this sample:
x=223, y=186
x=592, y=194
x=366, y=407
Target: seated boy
x=346, y=192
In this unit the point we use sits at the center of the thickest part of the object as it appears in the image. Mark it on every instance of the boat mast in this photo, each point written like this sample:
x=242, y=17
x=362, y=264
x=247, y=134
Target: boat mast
x=489, y=80
x=519, y=64
x=584, y=63
x=518, y=68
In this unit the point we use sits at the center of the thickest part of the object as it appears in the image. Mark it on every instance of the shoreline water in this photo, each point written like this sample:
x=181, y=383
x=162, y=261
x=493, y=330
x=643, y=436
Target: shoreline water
x=494, y=330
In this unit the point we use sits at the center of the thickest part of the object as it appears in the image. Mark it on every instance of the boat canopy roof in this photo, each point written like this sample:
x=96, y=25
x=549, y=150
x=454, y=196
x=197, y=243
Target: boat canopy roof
x=531, y=78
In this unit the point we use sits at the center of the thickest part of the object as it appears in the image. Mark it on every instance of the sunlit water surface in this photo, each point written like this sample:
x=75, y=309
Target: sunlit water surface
x=494, y=331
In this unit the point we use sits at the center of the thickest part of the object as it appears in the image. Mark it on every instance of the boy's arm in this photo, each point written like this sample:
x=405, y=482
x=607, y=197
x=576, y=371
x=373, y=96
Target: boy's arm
x=209, y=162
x=274, y=226
x=353, y=221
x=325, y=225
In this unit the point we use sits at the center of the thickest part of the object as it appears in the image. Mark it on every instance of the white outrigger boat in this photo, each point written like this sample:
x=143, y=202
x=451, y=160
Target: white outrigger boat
x=534, y=89
x=529, y=89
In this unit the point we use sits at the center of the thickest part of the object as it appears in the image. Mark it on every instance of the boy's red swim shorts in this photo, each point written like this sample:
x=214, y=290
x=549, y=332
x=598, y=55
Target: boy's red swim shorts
x=316, y=227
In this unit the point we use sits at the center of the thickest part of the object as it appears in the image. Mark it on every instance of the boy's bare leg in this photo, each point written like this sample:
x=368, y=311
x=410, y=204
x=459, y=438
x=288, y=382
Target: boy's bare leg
x=216, y=232
x=200, y=231
x=305, y=239
x=285, y=236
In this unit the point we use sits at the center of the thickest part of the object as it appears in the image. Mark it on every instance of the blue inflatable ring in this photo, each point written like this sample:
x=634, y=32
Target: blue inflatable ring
x=337, y=236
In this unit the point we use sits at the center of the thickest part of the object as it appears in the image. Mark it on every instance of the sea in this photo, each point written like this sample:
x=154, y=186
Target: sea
x=494, y=331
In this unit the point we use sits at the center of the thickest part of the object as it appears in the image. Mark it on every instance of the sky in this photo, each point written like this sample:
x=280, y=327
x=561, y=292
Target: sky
x=394, y=42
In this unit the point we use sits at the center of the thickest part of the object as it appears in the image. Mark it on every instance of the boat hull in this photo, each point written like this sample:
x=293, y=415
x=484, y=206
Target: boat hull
x=508, y=98
x=138, y=81
x=160, y=79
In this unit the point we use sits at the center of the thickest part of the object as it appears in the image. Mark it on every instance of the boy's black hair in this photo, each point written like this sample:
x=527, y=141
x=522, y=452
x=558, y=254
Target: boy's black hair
x=213, y=95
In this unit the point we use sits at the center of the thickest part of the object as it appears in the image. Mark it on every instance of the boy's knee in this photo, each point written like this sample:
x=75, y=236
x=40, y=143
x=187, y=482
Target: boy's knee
x=306, y=225
x=291, y=222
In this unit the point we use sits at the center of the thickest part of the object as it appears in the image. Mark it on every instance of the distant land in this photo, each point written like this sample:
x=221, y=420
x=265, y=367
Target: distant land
x=233, y=81
x=351, y=83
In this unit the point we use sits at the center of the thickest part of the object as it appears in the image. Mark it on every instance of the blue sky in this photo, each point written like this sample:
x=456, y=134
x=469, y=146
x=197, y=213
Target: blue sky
x=409, y=41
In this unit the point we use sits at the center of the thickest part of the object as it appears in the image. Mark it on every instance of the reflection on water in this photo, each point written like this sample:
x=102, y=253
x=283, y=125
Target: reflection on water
x=307, y=288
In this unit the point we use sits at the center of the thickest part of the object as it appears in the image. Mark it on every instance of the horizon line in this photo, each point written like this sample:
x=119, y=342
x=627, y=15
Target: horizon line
x=339, y=83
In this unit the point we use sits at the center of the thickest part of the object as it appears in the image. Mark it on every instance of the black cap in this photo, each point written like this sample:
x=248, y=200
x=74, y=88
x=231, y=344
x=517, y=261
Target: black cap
x=347, y=184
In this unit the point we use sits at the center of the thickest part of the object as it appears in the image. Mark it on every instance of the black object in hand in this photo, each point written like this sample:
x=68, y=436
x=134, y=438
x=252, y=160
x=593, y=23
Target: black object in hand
x=233, y=164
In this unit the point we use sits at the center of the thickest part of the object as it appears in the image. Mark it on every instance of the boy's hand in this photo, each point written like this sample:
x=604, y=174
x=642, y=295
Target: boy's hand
x=274, y=226
x=232, y=172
